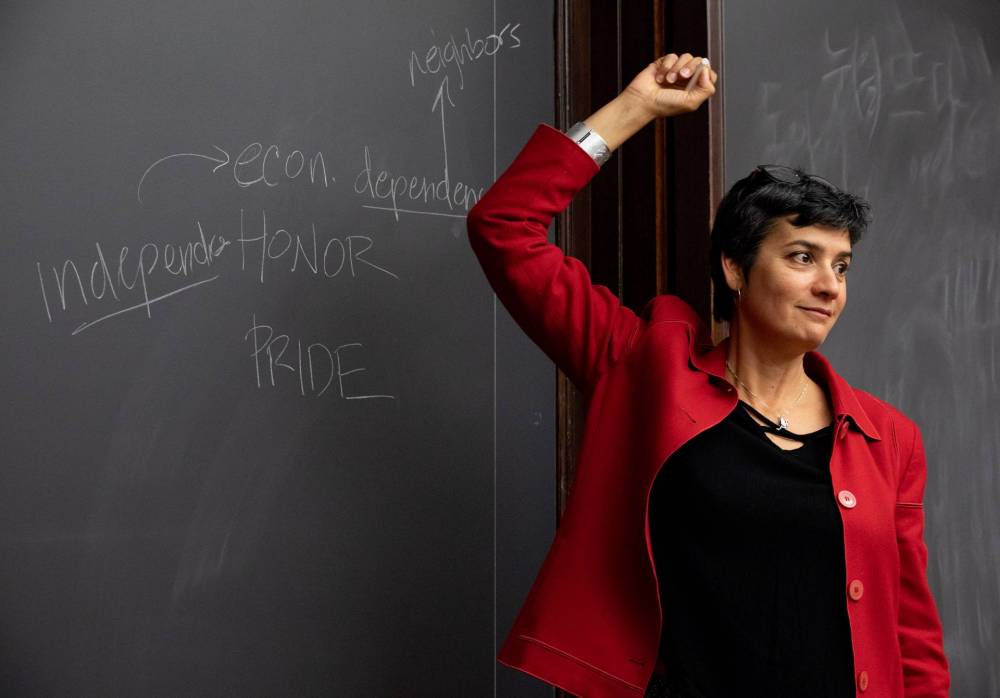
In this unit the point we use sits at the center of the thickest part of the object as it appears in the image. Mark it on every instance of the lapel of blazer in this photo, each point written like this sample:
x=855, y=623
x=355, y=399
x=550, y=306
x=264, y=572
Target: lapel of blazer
x=712, y=360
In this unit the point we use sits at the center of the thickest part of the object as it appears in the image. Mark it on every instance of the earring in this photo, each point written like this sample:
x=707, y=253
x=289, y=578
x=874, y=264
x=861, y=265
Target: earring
x=739, y=295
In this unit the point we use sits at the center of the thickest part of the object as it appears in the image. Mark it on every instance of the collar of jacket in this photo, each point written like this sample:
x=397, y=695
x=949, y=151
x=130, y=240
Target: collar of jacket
x=712, y=360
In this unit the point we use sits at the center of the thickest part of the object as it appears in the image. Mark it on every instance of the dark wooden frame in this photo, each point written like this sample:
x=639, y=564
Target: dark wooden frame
x=650, y=235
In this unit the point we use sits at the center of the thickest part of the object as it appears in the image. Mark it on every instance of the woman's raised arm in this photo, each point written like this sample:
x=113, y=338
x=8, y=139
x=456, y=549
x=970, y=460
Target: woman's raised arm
x=581, y=326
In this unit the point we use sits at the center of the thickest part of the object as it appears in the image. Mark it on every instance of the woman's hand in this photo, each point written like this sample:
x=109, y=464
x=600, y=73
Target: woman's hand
x=660, y=90
x=665, y=86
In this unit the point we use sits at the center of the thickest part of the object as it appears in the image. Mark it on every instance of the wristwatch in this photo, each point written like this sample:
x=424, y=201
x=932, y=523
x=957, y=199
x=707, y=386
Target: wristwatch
x=591, y=142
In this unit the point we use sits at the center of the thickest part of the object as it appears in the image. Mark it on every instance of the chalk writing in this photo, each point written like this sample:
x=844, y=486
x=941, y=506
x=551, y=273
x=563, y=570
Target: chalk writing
x=319, y=361
x=453, y=55
x=179, y=260
x=382, y=185
x=256, y=164
x=270, y=246
x=69, y=282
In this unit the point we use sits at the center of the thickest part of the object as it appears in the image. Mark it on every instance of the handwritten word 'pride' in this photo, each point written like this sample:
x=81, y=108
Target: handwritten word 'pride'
x=269, y=349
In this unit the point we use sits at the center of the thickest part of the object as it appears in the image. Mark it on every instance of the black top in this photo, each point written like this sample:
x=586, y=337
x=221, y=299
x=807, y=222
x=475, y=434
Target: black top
x=749, y=551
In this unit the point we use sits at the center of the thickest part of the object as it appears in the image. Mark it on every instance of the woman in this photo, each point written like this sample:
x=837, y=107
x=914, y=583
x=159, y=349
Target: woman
x=743, y=522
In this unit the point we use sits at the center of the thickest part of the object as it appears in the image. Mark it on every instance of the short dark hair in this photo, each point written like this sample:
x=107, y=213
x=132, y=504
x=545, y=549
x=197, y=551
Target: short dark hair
x=749, y=211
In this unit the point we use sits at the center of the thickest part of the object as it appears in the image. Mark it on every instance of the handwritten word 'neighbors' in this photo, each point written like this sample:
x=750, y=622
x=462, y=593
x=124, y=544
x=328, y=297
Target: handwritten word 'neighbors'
x=454, y=55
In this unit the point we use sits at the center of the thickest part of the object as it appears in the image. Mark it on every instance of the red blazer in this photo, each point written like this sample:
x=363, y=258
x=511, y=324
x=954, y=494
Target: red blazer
x=592, y=619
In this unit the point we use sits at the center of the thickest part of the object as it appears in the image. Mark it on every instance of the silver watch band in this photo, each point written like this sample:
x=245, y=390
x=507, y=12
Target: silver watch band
x=590, y=141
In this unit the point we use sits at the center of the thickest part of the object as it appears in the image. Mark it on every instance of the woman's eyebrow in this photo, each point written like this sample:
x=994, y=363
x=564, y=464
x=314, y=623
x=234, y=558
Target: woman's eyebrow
x=816, y=248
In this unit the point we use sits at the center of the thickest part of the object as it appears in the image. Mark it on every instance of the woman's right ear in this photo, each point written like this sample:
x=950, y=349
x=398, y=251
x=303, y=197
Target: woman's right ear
x=734, y=275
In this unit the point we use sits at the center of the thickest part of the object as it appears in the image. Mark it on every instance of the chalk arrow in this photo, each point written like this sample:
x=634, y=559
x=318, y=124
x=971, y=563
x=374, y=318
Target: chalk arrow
x=443, y=91
x=221, y=163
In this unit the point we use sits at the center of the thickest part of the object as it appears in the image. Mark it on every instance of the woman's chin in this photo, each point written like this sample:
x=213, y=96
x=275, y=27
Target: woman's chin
x=815, y=339
x=807, y=338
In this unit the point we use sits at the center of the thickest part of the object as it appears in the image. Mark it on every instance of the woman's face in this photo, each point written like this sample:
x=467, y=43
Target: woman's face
x=795, y=269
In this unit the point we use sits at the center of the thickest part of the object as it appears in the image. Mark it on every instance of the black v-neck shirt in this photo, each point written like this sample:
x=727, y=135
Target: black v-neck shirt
x=749, y=551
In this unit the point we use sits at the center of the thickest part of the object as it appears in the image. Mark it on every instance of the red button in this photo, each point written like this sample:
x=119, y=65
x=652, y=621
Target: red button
x=847, y=499
x=843, y=429
x=856, y=589
x=863, y=681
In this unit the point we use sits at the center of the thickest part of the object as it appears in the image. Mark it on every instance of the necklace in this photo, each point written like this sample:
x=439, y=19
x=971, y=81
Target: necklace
x=782, y=419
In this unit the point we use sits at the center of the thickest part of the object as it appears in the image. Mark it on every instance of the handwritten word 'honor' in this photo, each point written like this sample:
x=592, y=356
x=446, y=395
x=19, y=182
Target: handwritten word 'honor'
x=272, y=245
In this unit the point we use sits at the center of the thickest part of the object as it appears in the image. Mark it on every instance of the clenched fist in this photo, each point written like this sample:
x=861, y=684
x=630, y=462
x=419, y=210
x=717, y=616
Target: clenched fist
x=669, y=86
x=674, y=84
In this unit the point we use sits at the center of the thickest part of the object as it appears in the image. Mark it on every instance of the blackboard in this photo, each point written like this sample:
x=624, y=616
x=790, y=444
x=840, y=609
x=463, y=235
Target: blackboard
x=266, y=431
x=900, y=102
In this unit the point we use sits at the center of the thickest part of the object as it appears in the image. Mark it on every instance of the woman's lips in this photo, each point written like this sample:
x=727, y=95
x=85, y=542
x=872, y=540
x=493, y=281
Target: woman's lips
x=816, y=313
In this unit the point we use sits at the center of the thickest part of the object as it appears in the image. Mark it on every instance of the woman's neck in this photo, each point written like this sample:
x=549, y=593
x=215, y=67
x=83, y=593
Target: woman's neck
x=775, y=376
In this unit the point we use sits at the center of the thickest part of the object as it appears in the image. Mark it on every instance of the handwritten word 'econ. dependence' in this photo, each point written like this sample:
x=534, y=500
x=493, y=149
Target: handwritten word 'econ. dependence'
x=386, y=186
x=270, y=349
x=453, y=55
x=255, y=164
x=179, y=260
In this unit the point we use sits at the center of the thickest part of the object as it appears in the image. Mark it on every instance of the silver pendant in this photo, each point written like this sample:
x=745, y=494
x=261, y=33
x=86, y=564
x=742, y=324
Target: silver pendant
x=782, y=422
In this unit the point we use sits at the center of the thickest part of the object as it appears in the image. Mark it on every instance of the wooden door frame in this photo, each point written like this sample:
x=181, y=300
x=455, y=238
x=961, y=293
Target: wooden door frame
x=665, y=182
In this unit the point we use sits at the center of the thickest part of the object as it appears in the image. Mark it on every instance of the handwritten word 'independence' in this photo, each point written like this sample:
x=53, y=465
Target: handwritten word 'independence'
x=269, y=349
x=454, y=54
x=179, y=260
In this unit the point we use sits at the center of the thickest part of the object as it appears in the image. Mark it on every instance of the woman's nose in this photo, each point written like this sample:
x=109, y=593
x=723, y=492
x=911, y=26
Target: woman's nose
x=827, y=283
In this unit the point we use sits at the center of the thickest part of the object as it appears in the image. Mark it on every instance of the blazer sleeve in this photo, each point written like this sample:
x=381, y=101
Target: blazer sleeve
x=925, y=667
x=582, y=327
